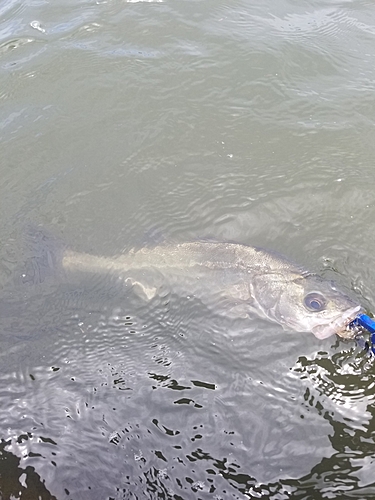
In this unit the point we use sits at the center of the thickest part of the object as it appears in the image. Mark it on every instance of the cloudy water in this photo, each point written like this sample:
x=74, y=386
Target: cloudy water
x=132, y=124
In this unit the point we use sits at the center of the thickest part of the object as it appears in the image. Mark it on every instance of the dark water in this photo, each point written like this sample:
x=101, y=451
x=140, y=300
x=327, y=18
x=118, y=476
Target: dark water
x=125, y=124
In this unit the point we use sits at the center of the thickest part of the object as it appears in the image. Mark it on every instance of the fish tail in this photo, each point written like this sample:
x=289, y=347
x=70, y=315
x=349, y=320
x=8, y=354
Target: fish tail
x=42, y=256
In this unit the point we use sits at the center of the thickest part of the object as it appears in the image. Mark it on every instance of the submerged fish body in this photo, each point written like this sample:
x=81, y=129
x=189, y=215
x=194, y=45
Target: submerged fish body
x=234, y=278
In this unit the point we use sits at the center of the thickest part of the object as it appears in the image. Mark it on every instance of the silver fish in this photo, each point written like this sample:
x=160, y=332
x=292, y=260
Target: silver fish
x=235, y=279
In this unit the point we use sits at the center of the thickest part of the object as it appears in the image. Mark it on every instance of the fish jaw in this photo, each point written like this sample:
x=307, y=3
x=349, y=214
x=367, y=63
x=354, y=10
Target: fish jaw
x=338, y=325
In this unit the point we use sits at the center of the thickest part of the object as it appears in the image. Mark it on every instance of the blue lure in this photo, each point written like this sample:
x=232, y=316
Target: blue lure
x=368, y=324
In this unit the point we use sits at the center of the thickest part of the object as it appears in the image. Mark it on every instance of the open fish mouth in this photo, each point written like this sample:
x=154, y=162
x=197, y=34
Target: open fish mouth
x=338, y=326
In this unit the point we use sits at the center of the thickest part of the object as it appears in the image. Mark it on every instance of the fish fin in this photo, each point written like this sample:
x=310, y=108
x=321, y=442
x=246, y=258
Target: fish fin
x=145, y=292
x=42, y=256
x=153, y=237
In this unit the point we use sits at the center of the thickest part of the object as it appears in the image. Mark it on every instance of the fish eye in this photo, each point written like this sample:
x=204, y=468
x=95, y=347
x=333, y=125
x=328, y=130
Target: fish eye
x=314, y=302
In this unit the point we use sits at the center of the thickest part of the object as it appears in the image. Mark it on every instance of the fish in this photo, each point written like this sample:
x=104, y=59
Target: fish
x=234, y=279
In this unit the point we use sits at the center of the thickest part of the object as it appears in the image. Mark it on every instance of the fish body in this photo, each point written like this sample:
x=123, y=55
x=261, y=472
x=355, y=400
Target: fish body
x=235, y=279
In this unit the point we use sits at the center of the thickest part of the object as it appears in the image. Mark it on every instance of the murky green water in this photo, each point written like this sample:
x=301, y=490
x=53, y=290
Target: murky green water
x=125, y=124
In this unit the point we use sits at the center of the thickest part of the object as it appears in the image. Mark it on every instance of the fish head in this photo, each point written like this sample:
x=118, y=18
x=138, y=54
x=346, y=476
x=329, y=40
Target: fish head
x=307, y=302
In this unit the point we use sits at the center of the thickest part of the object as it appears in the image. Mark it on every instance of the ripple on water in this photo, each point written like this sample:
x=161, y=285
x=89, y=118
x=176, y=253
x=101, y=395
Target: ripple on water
x=163, y=397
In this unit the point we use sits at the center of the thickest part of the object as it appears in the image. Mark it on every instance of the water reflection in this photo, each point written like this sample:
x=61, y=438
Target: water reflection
x=17, y=481
x=169, y=400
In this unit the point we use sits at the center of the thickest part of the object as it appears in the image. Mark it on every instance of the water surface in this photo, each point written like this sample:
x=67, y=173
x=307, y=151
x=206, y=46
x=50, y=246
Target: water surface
x=125, y=124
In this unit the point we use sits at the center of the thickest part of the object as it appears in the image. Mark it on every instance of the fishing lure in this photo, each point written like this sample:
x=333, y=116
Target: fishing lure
x=368, y=324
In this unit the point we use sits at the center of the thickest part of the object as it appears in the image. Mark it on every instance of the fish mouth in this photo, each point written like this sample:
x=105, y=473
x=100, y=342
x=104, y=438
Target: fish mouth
x=339, y=325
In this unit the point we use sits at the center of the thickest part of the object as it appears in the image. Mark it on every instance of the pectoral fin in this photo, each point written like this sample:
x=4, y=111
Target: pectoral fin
x=143, y=291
